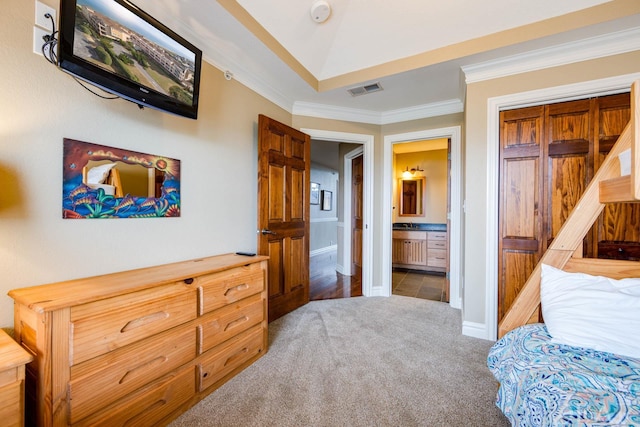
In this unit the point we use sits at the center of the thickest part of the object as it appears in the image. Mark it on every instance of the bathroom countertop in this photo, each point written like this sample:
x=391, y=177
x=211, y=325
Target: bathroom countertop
x=419, y=226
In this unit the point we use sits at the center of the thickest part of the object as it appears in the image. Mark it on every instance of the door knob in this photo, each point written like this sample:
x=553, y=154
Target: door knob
x=267, y=231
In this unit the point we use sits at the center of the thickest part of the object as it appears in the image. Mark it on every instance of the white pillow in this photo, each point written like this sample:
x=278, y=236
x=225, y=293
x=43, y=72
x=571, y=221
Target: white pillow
x=591, y=311
x=98, y=174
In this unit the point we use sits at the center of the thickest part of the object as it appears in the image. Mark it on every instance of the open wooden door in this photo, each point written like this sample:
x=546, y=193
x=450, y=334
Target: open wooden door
x=283, y=213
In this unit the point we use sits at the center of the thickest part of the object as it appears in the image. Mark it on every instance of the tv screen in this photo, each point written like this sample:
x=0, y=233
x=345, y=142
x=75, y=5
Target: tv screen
x=116, y=46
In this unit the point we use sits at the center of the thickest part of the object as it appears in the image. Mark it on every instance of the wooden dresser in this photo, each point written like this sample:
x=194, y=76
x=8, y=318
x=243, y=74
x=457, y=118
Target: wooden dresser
x=140, y=347
x=12, y=361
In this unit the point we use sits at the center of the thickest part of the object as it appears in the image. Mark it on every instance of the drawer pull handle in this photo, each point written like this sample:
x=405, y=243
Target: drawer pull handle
x=236, y=322
x=188, y=281
x=145, y=320
x=139, y=417
x=236, y=356
x=145, y=366
x=241, y=287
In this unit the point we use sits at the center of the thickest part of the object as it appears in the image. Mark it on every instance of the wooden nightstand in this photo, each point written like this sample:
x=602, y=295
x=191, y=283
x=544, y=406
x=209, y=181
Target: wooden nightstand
x=12, y=361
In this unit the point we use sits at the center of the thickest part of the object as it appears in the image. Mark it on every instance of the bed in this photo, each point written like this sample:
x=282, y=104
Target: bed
x=582, y=366
x=547, y=384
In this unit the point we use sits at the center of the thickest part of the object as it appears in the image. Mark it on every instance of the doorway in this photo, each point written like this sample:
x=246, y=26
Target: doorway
x=344, y=243
x=330, y=275
x=454, y=215
x=420, y=207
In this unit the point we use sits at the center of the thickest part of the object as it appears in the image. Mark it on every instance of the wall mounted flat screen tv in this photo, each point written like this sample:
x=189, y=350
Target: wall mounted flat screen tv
x=118, y=47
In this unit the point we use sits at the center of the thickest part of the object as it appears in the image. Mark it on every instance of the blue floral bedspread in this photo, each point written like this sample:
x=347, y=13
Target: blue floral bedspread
x=547, y=384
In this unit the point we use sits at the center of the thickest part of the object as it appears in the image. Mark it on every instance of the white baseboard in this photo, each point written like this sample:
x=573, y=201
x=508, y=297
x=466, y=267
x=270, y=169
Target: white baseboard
x=340, y=268
x=323, y=250
x=476, y=330
x=378, y=291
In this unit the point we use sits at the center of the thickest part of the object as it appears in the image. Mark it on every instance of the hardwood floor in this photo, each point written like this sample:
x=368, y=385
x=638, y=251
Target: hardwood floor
x=326, y=283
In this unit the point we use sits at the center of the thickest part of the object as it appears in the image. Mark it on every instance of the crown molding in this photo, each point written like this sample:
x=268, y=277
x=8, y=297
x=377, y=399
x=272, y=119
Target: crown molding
x=567, y=53
x=451, y=106
x=331, y=112
x=377, y=118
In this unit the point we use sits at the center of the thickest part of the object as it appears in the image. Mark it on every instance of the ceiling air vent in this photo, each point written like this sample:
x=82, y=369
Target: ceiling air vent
x=363, y=90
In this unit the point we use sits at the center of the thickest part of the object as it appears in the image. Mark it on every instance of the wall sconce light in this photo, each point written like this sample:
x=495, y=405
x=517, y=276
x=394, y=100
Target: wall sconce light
x=408, y=173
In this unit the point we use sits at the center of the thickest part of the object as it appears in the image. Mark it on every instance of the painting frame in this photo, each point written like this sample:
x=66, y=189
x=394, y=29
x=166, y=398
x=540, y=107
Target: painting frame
x=314, y=194
x=327, y=198
x=89, y=201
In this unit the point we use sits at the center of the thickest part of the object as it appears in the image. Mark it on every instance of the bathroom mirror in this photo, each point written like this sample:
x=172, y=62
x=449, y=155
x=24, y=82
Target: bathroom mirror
x=108, y=182
x=411, y=192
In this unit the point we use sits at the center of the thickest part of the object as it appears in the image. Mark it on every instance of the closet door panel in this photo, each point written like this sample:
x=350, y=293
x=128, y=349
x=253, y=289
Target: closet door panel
x=518, y=266
x=569, y=154
x=520, y=200
x=567, y=183
x=618, y=232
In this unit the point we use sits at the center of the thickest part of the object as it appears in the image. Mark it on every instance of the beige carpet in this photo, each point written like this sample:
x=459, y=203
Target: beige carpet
x=395, y=361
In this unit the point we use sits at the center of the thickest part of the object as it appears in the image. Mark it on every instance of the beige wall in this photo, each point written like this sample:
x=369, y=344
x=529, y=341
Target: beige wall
x=434, y=163
x=41, y=105
x=475, y=238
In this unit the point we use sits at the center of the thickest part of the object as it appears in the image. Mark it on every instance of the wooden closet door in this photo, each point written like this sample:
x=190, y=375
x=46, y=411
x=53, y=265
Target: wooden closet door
x=547, y=158
x=520, y=222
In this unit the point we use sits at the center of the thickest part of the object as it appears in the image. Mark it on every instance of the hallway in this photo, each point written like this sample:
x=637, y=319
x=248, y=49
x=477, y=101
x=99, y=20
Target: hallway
x=326, y=283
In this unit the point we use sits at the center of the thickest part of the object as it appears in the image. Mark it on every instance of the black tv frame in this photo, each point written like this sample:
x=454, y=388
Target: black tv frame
x=116, y=84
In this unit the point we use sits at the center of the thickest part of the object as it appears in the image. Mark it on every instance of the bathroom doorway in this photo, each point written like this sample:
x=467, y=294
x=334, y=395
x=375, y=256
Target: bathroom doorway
x=453, y=215
x=420, y=261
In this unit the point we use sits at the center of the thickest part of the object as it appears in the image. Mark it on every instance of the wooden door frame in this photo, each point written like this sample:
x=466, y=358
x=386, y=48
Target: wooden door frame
x=455, y=216
x=367, y=203
x=601, y=87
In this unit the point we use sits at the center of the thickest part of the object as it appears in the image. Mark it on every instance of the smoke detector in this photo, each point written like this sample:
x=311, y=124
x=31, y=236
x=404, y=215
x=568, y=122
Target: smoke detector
x=320, y=11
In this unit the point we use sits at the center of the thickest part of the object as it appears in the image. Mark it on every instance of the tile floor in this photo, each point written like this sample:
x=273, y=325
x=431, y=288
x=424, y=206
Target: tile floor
x=418, y=285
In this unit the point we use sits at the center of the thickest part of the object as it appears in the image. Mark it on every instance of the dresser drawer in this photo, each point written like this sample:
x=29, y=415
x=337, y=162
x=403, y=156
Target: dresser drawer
x=437, y=235
x=220, y=325
x=223, y=359
x=127, y=369
x=11, y=404
x=220, y=289
x=409, y=235
x=437, y=244
x=105, y=325
x=437, y=258
x=149, y=405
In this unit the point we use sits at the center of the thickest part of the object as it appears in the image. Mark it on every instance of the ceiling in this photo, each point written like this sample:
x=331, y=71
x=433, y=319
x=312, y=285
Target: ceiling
x=421, y=52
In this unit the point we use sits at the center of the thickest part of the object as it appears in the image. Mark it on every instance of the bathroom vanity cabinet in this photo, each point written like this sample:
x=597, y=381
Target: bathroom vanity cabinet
x=420, y=250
